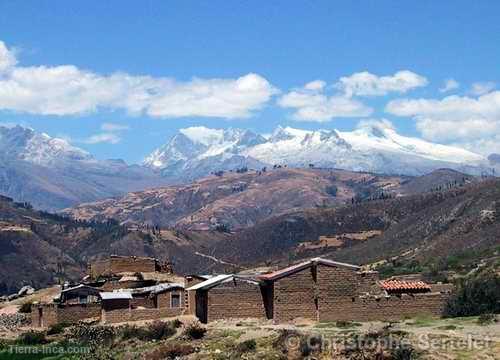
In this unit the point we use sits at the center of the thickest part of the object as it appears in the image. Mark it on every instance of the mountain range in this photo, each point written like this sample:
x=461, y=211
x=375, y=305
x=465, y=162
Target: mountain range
x=52, y=174
x=373, y=147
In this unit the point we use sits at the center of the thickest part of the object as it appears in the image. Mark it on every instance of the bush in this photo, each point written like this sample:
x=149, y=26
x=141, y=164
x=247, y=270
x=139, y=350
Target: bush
x=194, y=330
x=159, y=330
x=57, y=328
x=246, y=346
x=475, y=296
x=487, y=319
x=25, y=308
x=32, y=338
x=346, y=324
x=176, y=323
x=172, y=350
x=127, y=332
x=93, y=335
x=331, y=190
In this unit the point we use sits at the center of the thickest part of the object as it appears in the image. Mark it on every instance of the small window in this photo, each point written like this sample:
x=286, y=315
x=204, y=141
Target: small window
x=175, y=300
x=83, y=300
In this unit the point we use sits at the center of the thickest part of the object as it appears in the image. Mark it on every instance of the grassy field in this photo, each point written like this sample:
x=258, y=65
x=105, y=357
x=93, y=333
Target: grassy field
x=416, y=338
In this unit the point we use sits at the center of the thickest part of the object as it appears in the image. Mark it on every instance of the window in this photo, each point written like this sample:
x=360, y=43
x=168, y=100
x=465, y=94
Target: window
x=82, y=299
x=175, y=300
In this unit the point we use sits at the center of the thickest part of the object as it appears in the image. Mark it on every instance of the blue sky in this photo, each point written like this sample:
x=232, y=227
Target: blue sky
x=155, y=67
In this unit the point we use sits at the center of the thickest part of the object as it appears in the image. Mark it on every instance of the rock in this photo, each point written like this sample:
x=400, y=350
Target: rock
x=12, y=297
x=26, y=290
x=14, y=321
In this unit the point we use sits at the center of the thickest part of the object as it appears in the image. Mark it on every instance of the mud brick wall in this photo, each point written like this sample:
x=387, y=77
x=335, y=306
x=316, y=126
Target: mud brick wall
x=235, y=299
x=114, y=285
x=294, y=296
x=115, y=265
x=190, y=296
x=164, y=300
x=98, y=268
x=115, y=316
x=383, y=308
x=145, y=302
x=43, y=315
x=52, y=313
x=131, y=264
x=75, y=313
x=123, y=315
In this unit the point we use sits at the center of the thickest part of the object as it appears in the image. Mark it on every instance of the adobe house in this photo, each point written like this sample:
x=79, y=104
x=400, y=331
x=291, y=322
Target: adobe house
x=325, y=290
x=228, y=296
x=153, y=302
x=80, y=294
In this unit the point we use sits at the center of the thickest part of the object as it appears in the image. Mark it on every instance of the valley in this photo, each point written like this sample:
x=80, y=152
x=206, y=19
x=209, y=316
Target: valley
x=279, y=216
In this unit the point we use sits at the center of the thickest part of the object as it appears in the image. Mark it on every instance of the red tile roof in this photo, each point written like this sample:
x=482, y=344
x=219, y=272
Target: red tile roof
x=398, y=285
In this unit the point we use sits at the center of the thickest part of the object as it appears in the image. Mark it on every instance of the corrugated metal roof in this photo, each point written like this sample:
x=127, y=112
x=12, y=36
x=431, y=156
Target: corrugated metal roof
x=210, y=282
x=115, y=295
x=294, y=268
x=80, y=286
x=398, y=285
x=154, y=289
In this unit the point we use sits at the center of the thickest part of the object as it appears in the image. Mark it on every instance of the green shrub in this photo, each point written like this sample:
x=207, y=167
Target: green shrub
x=32, y=338
x=25, y=308
x=487, y=319
x=403, y=352
x=475, y=296
x=58, y=328
x=246, y=346
x=127, y=332
x=194, y=330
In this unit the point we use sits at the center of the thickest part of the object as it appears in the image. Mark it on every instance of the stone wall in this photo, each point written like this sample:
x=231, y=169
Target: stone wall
x=235, y=299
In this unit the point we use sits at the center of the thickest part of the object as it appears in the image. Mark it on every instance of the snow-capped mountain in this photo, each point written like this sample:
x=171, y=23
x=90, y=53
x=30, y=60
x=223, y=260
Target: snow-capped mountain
x=372, y=147
x=24, y=143
x=52, y=174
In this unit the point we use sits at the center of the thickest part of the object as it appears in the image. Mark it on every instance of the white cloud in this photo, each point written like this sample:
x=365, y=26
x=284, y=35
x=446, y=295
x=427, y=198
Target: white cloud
x=68, y=90
x=312, y=103
x=7, y=58
x=481, y=88
x=460, y=119
x=316, y=106
x=109, y=138
x=315, y=85
x=449, y=84
x=367, y=84
x=114, y=127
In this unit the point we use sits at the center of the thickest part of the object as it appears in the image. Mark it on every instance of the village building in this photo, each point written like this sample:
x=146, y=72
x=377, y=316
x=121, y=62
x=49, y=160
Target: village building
x=325, y=290
x=317, y=289
x=228, y=297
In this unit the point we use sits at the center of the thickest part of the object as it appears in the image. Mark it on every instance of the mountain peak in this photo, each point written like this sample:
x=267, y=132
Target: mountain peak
x=374, y=146
x=24, y=143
